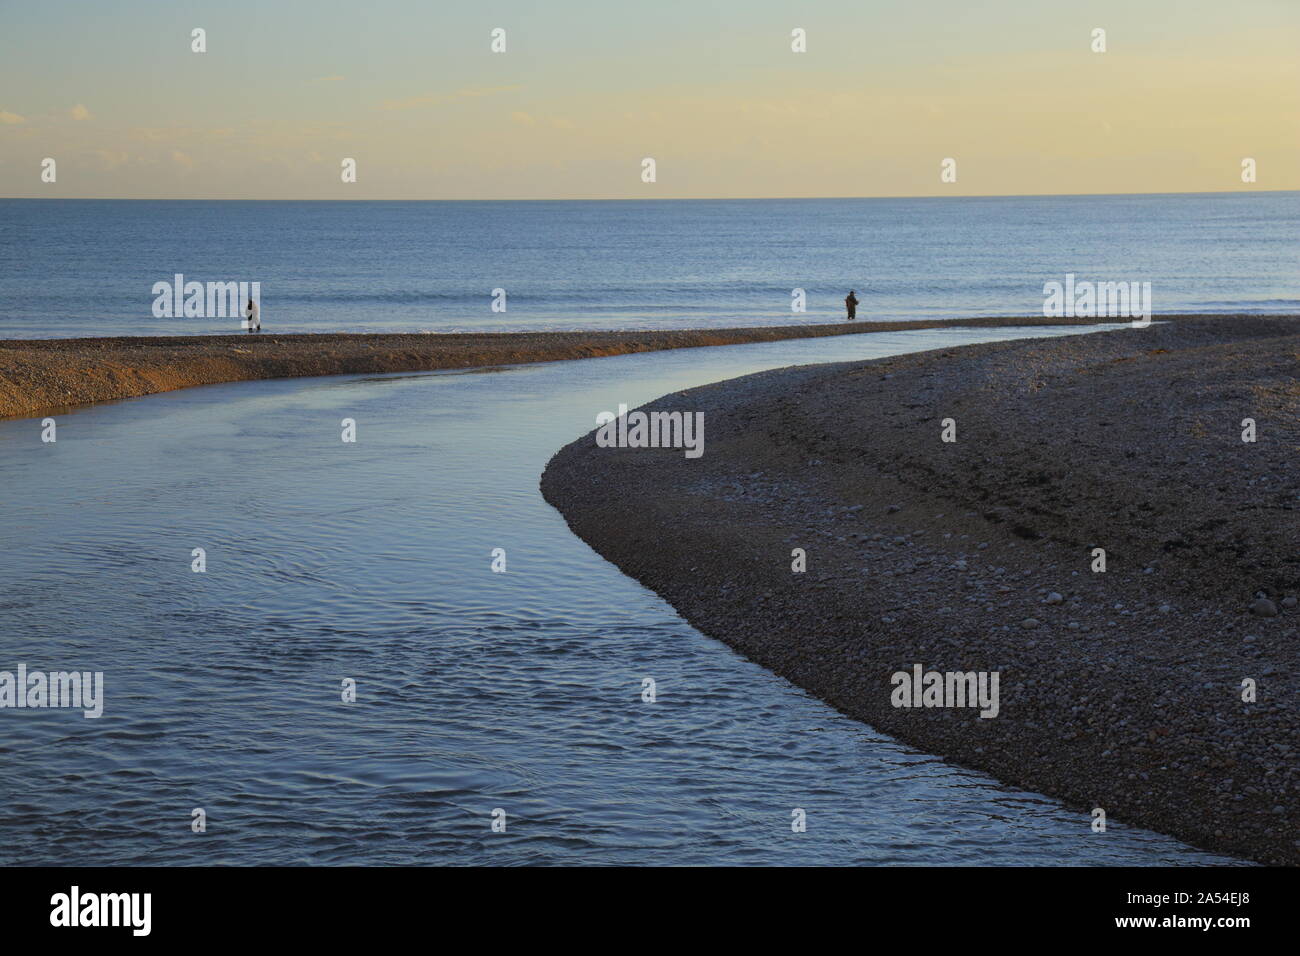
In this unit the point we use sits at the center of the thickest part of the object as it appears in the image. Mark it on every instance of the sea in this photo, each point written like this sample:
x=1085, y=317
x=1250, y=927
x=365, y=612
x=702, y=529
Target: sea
x=91, y=267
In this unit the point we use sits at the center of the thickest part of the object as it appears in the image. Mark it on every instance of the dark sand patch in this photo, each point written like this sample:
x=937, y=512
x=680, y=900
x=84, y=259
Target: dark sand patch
x=1120, y=690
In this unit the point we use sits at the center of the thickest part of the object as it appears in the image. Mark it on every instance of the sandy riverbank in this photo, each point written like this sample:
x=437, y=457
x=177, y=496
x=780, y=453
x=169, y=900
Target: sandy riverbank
x=39, y=375
x=1120, y=690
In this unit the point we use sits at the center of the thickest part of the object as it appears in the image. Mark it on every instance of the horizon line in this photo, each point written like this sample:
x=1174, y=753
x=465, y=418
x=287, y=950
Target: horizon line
x=1217, y=192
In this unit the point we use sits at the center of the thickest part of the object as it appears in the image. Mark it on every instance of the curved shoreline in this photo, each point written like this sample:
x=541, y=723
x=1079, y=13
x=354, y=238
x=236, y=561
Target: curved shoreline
x=1119, y=690
x=40, y=375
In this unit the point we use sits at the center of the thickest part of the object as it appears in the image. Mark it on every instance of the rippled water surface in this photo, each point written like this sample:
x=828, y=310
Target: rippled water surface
x=476, y=690
x=88, y=267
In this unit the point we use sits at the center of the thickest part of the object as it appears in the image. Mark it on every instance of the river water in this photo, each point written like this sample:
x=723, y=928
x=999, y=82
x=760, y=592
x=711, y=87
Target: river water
x=475, y=690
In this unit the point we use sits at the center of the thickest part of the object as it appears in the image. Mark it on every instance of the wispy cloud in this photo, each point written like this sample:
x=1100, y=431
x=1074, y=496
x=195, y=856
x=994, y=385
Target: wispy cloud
x=79, y=112
x=112, y=158
x=11, y=119
x=440, y=99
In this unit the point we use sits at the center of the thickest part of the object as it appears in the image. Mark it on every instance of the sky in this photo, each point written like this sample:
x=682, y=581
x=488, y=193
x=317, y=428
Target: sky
x=1011, y=90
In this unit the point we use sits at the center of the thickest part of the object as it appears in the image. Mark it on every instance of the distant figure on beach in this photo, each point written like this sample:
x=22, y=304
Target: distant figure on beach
x=851, y=304
x=254, y=316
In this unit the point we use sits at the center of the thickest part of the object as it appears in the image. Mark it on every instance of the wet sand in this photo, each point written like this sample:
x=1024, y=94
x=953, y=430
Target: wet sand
x=39, y=375
x=1120, y=689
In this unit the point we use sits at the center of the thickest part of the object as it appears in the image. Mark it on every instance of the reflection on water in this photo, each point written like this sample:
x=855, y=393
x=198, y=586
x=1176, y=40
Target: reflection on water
x=476, y=690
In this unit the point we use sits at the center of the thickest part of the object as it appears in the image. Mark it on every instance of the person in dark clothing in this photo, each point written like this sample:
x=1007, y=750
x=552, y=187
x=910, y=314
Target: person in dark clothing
x=851, y=304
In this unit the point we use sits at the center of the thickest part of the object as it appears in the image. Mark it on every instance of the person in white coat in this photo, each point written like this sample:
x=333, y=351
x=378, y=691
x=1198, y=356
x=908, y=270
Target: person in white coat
x=254, y=316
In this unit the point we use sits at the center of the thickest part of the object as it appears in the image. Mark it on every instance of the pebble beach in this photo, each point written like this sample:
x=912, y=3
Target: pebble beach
x=1160, y=690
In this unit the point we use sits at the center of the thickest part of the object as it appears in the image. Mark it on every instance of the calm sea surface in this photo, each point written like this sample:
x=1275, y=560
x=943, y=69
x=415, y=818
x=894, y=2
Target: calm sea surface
x=371, y=561
x=80, y=267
